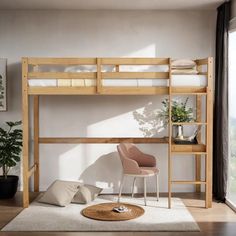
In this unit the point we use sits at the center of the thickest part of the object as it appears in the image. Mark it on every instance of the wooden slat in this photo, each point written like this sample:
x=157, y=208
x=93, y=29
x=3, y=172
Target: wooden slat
x=36, y=143
x=32, y=170
x=117, y=68
x=25, y=120
x=188, y=148
x=202, y=61
x=189, y=153
x=189, y=123
x=99, y=75
x=188, y=90
x=62, y=75
x=61, y=61
x=202, y=73
x=135, y=75
x=135, y=61
x=63, y=90
x=56, y=140
x=133, y=90
x=109, y=90
x=187, y=182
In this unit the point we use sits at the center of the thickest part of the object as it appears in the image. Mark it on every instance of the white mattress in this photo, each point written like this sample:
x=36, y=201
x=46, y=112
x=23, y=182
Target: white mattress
x=177, y=80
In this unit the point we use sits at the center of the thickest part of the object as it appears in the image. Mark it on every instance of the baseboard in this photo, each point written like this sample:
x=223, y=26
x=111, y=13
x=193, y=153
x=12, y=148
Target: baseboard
x=230, y=204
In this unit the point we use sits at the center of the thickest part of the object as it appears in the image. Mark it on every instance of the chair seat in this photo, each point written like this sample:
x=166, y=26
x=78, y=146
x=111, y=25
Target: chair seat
x=148, y=170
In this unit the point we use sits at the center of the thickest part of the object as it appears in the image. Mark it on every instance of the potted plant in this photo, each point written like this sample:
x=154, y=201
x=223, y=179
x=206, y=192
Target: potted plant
x=10, y=154
x=179, y=113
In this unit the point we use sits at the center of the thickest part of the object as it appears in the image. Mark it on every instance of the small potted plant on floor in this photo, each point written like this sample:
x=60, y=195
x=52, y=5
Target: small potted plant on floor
x=10, y=154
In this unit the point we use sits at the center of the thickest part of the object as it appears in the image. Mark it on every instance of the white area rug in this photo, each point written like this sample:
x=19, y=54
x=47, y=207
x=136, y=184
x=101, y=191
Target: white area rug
x=157, y=217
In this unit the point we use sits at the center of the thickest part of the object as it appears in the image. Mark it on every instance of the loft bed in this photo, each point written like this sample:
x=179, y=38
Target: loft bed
x=119, y=76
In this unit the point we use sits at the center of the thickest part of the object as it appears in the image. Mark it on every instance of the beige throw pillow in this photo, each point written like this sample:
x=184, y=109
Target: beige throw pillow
x=183, y=63
x=60, y=193
x=86, y=194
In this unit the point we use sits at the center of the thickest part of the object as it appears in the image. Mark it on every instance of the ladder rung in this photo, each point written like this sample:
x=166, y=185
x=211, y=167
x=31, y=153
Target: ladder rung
x=189, y=153
x=187, y=182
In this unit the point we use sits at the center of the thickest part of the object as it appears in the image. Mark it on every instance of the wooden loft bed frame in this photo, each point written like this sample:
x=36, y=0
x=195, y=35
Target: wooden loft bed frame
x=198, y=150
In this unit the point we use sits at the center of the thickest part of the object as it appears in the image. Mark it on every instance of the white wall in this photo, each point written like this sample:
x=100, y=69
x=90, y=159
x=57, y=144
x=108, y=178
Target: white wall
x=177, y=34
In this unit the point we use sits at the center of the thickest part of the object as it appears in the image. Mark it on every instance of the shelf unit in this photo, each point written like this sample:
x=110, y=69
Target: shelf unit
x=197, y=150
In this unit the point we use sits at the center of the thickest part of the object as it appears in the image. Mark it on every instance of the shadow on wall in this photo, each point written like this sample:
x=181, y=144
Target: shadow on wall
x=105, y=172
x=149, y=120
x=13, y=90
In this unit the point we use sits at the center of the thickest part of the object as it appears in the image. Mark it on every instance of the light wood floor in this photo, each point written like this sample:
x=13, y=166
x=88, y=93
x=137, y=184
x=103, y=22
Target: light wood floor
x=220, y=220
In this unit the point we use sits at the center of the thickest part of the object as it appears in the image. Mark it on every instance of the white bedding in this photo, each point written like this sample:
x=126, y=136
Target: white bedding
x=177, y=80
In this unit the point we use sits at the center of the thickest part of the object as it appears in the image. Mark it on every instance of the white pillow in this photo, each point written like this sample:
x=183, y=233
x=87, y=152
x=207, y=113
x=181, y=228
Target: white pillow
x=183, y=63
x=86, y=194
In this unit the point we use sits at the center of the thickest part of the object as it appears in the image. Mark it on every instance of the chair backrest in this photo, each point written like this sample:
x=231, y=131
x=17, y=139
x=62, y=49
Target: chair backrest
x=129, y=151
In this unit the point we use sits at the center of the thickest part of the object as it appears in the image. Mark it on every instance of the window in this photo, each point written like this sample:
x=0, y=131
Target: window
x=231, y=193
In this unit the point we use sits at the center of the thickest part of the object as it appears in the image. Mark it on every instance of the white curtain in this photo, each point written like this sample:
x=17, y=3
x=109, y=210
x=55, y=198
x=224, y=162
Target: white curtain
x=232, y=25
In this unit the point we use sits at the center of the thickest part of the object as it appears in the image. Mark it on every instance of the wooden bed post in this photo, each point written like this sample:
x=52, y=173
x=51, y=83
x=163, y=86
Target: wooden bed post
x=25, y=120
x=99, y=75
x=36, y=143
x=209, y=131
x=170, y=138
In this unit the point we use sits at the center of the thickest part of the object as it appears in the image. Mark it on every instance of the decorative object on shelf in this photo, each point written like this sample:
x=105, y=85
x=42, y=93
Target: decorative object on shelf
x=10, y=154
x=179, y=113
x=188, y=140
x=3, y=85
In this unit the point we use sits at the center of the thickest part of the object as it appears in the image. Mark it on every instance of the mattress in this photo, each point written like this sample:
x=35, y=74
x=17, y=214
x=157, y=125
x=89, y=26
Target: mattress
x=177, y=80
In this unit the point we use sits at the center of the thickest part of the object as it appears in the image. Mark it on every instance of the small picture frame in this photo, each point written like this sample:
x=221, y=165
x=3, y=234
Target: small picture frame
x=3, y=84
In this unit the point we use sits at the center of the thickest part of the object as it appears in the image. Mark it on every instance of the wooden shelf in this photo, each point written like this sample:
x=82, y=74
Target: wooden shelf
x=188, y=90
x=189, y=148
x=188, y=123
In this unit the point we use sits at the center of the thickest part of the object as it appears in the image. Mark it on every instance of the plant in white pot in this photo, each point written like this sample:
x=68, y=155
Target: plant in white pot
x=179, y=113
x=10, y=155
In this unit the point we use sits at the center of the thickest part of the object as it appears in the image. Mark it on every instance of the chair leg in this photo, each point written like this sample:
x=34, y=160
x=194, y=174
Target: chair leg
x=121, y=186
x=157, y=186
x=145, y=191
x=133, y=186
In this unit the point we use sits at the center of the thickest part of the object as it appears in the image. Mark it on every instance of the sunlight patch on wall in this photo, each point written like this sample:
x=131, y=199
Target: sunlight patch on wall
x=72, y=163
x=118, y=126
x=148, y=51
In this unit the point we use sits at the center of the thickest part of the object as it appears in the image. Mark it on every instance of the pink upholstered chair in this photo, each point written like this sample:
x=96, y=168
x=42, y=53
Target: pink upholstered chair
x=137, y=164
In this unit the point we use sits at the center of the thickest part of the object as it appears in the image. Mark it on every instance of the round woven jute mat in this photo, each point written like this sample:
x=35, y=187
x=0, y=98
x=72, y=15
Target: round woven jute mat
x=104, y=211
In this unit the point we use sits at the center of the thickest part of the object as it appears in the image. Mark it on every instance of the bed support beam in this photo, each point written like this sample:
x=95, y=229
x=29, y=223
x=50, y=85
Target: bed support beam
x=25, y=120
x=57, y=140
x=209, y=132
x=32, y=170
x=36, y=143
